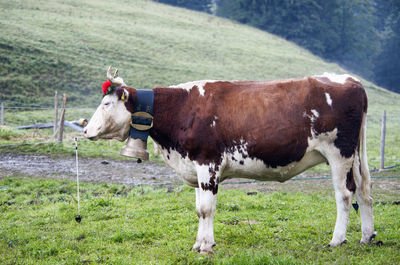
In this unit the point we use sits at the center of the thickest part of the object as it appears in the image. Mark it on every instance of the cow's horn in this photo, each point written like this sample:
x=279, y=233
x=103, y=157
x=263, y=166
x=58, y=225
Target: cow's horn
x=114, y=79
x=109, y=77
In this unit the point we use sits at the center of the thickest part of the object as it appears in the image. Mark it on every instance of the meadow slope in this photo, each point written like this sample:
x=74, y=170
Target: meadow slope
x=68, y=45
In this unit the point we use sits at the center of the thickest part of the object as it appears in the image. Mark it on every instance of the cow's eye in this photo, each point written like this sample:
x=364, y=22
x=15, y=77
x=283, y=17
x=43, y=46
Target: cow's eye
x=106, y=103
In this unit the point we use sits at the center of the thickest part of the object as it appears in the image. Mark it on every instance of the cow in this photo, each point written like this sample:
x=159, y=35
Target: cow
x=210, y=131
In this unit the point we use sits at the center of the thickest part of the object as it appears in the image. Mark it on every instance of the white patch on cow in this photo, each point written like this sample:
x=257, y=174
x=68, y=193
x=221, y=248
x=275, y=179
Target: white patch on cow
x=214, y=122
x=190, y=85
x=315, y=114
x=328, y=99
x=341, y=79
x=313, y=117
x=185, y=167
x=239, y=164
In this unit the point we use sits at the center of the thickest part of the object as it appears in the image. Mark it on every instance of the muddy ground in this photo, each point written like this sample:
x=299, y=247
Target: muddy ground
x=156, y=173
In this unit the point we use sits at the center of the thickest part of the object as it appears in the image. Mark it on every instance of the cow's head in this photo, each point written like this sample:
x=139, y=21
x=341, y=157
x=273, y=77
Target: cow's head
x=112, y=118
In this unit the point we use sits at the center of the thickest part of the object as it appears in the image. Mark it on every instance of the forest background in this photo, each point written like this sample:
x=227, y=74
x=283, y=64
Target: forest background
x=362, y=36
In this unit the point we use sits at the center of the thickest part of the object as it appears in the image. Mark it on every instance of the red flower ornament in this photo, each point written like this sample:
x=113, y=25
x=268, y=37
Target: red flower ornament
x=106, y=87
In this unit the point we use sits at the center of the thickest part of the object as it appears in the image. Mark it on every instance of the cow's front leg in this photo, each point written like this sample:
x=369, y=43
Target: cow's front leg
x=343, y=199
x=206, y=200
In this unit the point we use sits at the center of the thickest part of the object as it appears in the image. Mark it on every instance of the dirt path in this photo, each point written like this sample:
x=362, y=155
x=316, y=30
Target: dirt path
x=132, y=173
x=90, y=169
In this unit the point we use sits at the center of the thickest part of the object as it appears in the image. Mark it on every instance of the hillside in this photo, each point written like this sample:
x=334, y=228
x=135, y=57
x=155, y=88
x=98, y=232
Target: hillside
x=68, y=45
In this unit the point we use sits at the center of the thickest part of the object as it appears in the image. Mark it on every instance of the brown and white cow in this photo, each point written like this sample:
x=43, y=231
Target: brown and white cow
x=209, y=131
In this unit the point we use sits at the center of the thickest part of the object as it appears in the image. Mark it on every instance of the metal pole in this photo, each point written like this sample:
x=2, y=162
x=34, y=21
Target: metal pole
x=77, y=173
x=383, y=134
x=60, y=136
x=55, y=115
x=2, y=114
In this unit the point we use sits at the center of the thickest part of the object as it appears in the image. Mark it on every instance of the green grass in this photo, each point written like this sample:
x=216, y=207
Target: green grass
x=68, y=45
x=143, y=225
x=41, y=142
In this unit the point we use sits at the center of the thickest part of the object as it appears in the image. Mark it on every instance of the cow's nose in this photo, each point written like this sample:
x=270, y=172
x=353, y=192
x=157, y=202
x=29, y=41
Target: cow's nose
x=84, y=131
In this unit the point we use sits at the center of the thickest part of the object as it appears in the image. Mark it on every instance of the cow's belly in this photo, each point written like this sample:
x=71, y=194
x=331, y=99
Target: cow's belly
x=235, y=166
x=185, y=167
x=256, y=169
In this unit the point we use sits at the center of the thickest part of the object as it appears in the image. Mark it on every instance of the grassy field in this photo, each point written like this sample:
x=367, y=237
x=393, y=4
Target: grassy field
x=146, y=225
x=67, y=46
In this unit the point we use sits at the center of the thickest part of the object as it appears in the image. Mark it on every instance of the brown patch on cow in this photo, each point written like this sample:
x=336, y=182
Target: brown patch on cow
x=345, y=114
x=247, y=112
x=350, y=183
x=212, y=185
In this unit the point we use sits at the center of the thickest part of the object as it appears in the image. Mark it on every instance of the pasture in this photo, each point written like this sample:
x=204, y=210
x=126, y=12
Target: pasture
x=67, y=46
x=288, y=223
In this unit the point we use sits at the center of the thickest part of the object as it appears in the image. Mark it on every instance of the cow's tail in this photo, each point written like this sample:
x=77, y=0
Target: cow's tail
x=364, y=188
x=365, y=176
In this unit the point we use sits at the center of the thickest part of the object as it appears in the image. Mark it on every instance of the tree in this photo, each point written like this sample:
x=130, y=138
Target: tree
x=199, y=5
x=338, y=30
x=387, y=68
x=358, y=38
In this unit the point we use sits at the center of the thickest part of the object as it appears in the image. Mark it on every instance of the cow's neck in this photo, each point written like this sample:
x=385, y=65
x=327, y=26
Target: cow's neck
x=168, y=106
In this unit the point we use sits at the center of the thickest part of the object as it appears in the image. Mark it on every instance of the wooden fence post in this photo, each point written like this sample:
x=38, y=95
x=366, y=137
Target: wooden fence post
x=55, y=115
x=60, y=136
x=383, y=134
x=2, y=114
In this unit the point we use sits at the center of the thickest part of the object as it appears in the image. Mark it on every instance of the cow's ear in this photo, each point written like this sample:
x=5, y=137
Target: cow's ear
x=122, y=94
x=125, y=95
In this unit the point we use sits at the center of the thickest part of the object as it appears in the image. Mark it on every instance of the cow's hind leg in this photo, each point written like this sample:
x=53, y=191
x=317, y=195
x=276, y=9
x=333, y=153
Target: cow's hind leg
x=344, y=185
x=363, y=196
x=206, y=200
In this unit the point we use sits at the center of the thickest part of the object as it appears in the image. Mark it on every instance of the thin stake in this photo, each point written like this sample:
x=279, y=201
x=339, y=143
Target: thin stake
x=2, y=114
x=55, y=115
x=61, y=130
x=383, y=135
x=77, y=176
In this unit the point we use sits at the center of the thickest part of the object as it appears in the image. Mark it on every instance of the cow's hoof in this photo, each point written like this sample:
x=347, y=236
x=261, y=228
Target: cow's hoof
x=206, y=251
x=368, y=239
x=337, y=244
x=204, y=247
x=196, y=247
